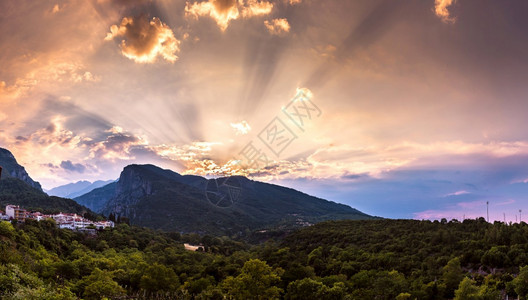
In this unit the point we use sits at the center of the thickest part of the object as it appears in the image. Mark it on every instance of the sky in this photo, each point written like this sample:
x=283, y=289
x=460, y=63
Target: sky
x=399, y=108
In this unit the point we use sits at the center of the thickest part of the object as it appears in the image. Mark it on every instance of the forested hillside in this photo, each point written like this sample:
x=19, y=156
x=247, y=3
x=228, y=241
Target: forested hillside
x=374, y=259
x=17, y=192
x=162, y=199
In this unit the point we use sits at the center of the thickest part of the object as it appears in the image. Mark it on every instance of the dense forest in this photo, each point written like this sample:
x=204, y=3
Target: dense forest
x=371, y=259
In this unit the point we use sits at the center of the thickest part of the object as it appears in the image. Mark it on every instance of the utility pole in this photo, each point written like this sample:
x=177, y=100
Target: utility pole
x=487, y=210
x=520, y=216
x=504, y=217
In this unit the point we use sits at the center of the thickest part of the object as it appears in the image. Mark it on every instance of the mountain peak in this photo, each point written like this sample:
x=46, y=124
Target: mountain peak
x=11, y=168
x=163, y=199
x=4, y=153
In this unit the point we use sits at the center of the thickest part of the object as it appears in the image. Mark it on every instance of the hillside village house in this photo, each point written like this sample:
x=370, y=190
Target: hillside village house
x=14, y=212
x=63, y=220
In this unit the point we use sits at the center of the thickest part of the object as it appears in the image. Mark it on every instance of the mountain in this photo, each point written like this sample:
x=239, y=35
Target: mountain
x=79, y=188
x=11, y=168
x=97, y=198
x=17, y=188
x=162, y=199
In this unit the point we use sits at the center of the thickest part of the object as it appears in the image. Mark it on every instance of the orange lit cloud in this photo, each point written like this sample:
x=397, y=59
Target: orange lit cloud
x=442, y=12
x=256, y=8
x=223, y=11
x=345, y=161
x=196, y=151
x=277, y=26
x=145, y=40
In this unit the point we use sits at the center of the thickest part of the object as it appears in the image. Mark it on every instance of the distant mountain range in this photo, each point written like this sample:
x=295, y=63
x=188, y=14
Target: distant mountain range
x=79, y=188
x=157, y=198
x=16, y=187
x=97, y=198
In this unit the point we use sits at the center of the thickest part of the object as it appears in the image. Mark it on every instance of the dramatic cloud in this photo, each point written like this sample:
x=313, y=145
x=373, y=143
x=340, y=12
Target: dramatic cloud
x=192, y=152
x=223, y=11
x=69, y=166
x=241, y=127
x=256, y=8
x=442, y=12
x=117, y=145
x=277, y=26
x=347, y=162
x=401, y=128
x=53, y=135
x=145, y=40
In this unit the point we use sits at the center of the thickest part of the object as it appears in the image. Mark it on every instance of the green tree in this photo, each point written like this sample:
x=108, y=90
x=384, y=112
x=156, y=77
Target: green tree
x=159, y=278
x=494, y=257
x=100, y=284
x=6, y=229
x=304, y=289
x=451, y=276
x=257, y=280
x=521, y=283
x=467, y=290
x=403, y=296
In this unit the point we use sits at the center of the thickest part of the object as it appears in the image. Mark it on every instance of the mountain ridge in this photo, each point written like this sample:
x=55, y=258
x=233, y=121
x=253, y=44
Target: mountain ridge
x=17, y=188
x=163, y=199
x=11, y=168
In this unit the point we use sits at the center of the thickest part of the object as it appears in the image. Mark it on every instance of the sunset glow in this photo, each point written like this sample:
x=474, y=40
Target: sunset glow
x=416, y=109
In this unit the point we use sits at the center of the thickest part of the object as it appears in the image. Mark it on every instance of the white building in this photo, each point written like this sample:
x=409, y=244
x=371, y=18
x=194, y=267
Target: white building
x=15, y=212
x=63, y=220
